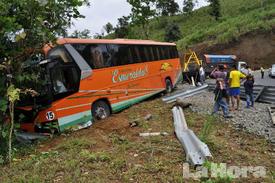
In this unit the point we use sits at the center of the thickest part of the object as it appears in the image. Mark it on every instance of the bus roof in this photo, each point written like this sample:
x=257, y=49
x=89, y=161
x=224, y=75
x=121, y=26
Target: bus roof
x=112, y=41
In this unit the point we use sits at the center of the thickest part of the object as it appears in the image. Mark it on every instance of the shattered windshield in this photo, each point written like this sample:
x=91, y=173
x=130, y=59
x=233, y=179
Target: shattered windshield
x=35, y=77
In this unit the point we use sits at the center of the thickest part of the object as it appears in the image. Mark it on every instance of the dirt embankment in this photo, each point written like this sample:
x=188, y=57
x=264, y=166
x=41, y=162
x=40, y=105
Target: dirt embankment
x=257, y=49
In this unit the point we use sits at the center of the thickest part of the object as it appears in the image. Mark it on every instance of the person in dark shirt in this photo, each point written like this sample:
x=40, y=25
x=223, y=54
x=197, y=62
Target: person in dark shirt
x=248, y=86
x=220, y=92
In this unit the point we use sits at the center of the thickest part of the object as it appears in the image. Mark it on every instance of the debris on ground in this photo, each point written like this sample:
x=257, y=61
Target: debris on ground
x=28, y=137
x=148, y=117
x=83, y=125
x=148, y=134
x=196, y=151
x=182, y=103
x=134, y=123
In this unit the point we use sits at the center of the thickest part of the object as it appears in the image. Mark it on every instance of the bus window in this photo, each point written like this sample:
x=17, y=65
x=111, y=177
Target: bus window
x=156, y=53
x=175, y=51
x=166, y=52
x=150, y=53
x=161, y=52
x=96, y=55
x=60, y=52
x=123, y=57
x=143, y=53
x=65, y=80
x=135, y=54
x=113, y=52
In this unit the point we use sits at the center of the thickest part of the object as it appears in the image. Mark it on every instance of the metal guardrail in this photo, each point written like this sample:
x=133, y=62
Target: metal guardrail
x=264, y=94
x=196, y=151
x=184, y=94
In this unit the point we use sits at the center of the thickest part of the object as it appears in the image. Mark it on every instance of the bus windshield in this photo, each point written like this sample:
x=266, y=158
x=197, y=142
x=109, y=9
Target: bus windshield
x=35, y=78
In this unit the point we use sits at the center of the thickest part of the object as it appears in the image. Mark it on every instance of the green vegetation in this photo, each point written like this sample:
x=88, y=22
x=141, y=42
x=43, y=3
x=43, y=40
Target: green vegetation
x=237, y=18
x=111, y=151
x=26, y=26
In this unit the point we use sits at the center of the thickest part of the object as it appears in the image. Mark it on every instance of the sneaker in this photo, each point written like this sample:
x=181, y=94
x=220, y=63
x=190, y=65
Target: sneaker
x=228, y=116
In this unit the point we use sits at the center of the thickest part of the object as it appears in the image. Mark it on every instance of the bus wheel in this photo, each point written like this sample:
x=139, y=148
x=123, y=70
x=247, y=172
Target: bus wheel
x=100, y=110
x=169, y=86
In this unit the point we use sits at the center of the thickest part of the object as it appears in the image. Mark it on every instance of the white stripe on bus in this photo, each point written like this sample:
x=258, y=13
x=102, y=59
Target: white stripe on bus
x=119, y=98
x=122, y=90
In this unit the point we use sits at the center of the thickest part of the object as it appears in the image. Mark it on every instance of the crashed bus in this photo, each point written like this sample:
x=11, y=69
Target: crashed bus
x=89, y=79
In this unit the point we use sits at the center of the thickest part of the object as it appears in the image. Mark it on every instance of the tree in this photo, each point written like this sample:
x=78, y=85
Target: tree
x=141, y=13
x=25, y=26
x=167, y=7
x=122, y=27
x=215, y=9
x=85, y=34
x=172, y=32
x=108, y=28
x=188, y=6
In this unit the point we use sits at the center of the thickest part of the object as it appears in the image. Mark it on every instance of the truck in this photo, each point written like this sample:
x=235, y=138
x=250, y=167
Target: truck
x=212, y=61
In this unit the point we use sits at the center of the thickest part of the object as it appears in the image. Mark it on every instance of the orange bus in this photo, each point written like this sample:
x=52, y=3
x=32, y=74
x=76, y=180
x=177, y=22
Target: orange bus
x=89, y=79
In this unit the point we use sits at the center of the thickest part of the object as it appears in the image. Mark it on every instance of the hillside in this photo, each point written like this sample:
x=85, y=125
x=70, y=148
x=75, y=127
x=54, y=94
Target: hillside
x=239, y=19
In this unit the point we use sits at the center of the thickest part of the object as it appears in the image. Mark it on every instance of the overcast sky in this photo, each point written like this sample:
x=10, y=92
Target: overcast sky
x=103, y=11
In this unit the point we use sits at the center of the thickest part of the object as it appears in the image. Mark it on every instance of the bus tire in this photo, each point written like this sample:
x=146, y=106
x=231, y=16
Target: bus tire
x=168, y=86
x=100, y=110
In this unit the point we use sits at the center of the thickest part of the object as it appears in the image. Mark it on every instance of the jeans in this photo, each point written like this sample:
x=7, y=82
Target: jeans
x=249, y=99
x=221, y=102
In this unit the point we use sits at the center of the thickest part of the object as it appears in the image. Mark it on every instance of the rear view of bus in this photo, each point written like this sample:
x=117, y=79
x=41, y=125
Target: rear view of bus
x=91, y=79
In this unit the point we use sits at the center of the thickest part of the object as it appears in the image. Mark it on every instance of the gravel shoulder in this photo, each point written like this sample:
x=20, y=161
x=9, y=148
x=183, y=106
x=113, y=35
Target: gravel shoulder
x=254, y=120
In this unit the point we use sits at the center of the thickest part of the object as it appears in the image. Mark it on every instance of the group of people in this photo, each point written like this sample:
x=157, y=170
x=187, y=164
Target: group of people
x=227, y=89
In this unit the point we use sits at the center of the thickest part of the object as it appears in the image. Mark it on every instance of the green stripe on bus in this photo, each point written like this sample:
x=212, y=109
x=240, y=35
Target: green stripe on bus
x=75, y=119
x=124, y=104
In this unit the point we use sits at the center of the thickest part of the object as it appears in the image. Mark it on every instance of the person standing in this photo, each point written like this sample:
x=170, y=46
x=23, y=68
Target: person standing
x=235, y=77
x=220, y=98
x=220, y=91
x=202, y=74
x=262, y=72
x=248, y=86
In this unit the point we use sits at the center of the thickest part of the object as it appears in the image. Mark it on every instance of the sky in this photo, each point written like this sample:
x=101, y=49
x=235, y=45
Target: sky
x=103, y=11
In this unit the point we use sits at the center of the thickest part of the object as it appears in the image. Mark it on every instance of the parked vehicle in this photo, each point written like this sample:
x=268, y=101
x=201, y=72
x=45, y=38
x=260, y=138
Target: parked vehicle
x=212, y=61
x=272, y=71
x=85, y=79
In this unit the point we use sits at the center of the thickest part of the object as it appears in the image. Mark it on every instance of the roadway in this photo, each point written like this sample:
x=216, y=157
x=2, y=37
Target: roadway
x=267, y=81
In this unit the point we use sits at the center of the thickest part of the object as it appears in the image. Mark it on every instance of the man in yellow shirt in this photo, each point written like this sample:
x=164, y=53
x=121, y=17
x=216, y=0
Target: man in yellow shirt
x=234, y=86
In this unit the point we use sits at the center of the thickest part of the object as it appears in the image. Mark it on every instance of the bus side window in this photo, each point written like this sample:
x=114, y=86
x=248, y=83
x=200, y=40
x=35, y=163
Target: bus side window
x=100, y=56
x=135, y=54
x=156, y=53
x=166, y=52
x=123, y=55
x=150, y=53
x=162, y=54
x=113, y=52
x=176, y=53
x=143, y=53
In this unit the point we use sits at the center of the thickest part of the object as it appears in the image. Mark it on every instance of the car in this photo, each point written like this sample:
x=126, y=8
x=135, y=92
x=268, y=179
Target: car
x=272, y=71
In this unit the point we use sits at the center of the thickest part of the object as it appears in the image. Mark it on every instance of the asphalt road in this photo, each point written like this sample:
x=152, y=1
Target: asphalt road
x=267, y=81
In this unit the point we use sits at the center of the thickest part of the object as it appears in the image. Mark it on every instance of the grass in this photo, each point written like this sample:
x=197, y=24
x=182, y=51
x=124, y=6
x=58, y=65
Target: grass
x=238, y=18
x=111, y=151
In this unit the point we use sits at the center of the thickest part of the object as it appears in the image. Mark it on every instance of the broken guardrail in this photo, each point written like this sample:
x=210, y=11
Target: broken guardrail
x=196, y=151
x=188, y=93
